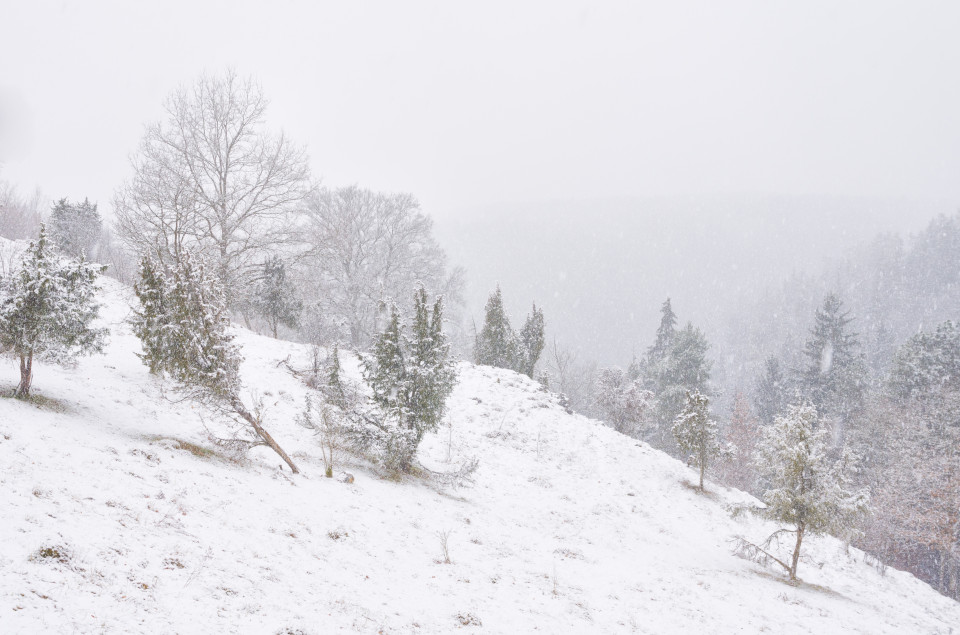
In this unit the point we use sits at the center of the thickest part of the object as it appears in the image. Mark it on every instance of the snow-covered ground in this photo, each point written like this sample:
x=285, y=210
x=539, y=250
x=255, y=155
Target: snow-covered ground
x=109, y=526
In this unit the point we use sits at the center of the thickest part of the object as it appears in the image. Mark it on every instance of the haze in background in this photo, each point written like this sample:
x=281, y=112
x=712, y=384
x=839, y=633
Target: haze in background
x=594, y=157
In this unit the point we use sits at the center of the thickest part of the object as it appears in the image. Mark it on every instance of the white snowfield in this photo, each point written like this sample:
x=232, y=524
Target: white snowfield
x=109, y=527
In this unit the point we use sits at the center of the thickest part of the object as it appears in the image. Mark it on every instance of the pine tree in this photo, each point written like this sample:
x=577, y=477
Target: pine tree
x=47, y=307
x=835, y=374
x=771, y=395
x=274, y=298
x=805, y=491
x=531, y=343
x=696, y=432
x=76, y=228
x=495, y=344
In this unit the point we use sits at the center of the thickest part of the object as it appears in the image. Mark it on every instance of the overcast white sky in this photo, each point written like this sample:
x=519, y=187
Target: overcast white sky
x=468, y=106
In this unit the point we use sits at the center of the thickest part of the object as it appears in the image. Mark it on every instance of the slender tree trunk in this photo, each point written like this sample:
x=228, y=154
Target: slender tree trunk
x=796, y=553
x=703, y=468
x=239, y=408
x=26, y=375
x=275, y=329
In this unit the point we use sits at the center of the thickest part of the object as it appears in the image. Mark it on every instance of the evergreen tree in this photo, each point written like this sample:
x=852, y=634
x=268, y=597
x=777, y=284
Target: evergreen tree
x=928, y=365
x=199, y=351
x=274, y=298
x=47, y=307
x=411, y=378
x=336, y=394
x=623, y=403
x=495, y=344
x=75, y=227
x=683, y=368
x=665, y=333
x=834, y=377
x=771, y=395
x=151, y=317
x=696, y=432
x=430, y=374
x=386, y=372
x=804, y=490
x=531, y=343
x=182, y=323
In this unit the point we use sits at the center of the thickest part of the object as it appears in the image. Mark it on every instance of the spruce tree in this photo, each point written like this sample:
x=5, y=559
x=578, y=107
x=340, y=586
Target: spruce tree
x=771, y=395
x=75, y=228
x=274, y=298
x=47, y=307
x=683, y=368
x=834, y=376
x=531, y=343
x=495, y=344
x=665, y=333
x=804, y=490
x=696, y=432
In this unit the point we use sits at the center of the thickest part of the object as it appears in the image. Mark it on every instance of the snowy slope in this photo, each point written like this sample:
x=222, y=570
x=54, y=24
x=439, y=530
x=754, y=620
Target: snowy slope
x=108, y=526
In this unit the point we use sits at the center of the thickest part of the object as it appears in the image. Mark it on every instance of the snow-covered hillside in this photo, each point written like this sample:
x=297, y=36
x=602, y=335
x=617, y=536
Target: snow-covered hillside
x=111, y=524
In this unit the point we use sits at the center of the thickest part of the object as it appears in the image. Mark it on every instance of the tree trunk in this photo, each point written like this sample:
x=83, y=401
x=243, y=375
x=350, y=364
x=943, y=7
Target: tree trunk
x=239, y=408
x=26, y=376
x=796, y=553
x=703, y=468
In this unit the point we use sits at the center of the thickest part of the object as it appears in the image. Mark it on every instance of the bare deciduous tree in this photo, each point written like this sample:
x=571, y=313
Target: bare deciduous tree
x=19, y=216
x=210, y=175
x=368, y=248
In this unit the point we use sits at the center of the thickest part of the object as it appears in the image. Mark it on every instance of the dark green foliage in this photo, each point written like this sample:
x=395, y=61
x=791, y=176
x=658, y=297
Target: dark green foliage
x=430, y=375
x=275, y=299
x=335, y=392
x=834, y=377
x=411, y=377
x=772, y=392
x=682, y=369
x=387, y=372
x=152, y=314
x=665, y=333
x=75, y=227
x=531, y=343
x=47, y=307
x=182, y=323
x=928, y=364
x=696, y=433
x=495, y=344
